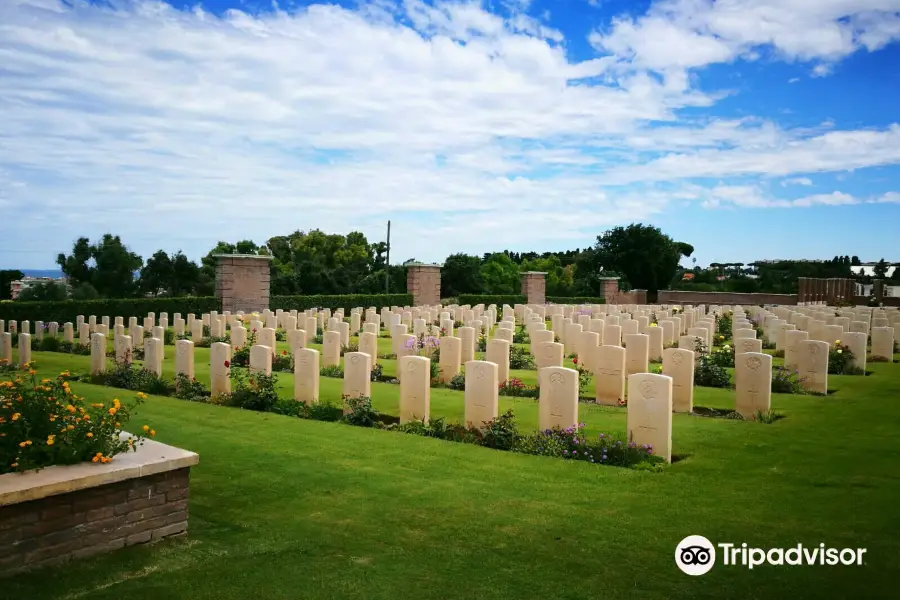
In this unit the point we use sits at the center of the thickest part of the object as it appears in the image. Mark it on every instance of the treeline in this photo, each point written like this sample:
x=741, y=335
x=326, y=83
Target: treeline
x=318, y=263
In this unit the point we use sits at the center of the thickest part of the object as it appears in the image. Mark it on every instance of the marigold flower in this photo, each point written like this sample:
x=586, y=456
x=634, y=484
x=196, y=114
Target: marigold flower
x=50, y=441
x=89, y=434
x=95, y=459
x=146, y=428
x=70, y=408
x=112, y=411
x=14, y=465
x=152, y=432
x=16, y=416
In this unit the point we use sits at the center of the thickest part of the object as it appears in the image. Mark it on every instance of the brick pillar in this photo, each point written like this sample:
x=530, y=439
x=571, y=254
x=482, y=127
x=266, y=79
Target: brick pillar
x=242, y=282
x=424, y=283
x=802, y=290
x=534, y=285
x=609, y=289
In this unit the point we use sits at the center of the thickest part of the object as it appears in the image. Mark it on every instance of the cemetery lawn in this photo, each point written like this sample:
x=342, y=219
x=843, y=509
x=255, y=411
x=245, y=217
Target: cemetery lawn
x=287, y=508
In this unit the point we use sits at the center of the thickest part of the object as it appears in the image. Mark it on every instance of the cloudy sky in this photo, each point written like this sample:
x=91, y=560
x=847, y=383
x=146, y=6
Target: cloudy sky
x=749, y=128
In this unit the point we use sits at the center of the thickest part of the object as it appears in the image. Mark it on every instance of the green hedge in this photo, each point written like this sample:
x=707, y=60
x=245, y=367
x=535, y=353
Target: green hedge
x=576, y=300
x=499, y=300
x=513, y=299
x=68, y=310
x=346, y=302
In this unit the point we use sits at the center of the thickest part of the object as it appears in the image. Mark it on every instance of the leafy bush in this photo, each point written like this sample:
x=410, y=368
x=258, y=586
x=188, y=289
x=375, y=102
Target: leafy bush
x=283, y=362
x=332, y=371
x=457, y=382
x=521, y=359
x=351, y=347
x=786, y=381
x=481, y=344
x=377, y=372
x=521, y=336
x=189, y=388
x=515, y=387
x=708, y=373
x=360, y=412
x=47, y=344
x=500, y=432
x=723, y=357
x=252, y=391
x=44, y=423
x=573, y=444
x=766, y=417
x=839, y=359
x=128, y=376
x=723, y=326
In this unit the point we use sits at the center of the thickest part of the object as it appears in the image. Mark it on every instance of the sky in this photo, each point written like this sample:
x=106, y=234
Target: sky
x=751, y=129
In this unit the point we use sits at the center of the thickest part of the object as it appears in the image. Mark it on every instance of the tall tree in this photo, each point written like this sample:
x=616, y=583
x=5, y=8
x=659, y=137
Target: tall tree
x=500, y=275
x=642, y=254
x=881, y=268
x=156, y=275
x=461, y=274
x=108, y=266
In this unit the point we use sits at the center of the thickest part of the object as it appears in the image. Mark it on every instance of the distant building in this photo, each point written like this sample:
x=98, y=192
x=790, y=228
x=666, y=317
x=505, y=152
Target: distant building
x=16, y=287
x=868, y=270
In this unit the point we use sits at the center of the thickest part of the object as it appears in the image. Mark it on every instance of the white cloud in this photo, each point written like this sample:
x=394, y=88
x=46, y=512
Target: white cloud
x=821, y=70
x=463, y=127
x=797, y=181
x=695, y=33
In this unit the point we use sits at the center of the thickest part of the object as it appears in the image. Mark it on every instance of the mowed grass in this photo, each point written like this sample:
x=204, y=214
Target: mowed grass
x=286, y=508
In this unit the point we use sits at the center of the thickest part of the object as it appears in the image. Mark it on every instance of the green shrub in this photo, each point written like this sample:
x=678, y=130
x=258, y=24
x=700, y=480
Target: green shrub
x=786, y=381
x=575, y=300
x=128, y=376
x=839, y=359
x=332, y=371
x=360, y=412
x=521, y=359
x=43, y=423
x=515, y=387
x=573, y=444
x=521, y=336
x=457, y=382
x=252, y=391
x=501, y=432
x=68, y=310
x=189, y=388
x=347, y=302
x=707, y=372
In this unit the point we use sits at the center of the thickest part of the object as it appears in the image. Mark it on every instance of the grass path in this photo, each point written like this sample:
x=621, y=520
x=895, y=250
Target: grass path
x=286, y=508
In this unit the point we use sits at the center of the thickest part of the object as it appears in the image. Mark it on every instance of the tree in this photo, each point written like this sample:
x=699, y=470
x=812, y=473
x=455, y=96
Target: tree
x=500, y=275
x=881, y=269
x=461, y=274
x=108, y=266
x=854, y=261
x=646, y=257
x=7, y=276
x=44, y=291
x=156, y=275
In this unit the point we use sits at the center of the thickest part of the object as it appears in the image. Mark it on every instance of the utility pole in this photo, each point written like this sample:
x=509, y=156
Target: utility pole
x=387, y=263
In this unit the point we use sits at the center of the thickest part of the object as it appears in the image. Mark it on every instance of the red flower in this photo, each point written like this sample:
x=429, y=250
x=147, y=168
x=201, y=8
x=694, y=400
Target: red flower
x=284, y=352
x=575, y=360
x=227, y=363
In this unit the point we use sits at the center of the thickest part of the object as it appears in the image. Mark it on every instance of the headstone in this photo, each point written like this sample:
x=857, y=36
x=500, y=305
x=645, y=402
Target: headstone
x=219, y=368
x=261, y=359
x=24, y=349
x=612, y=335
x=153, y=355
x=306, y=375
x=267, y=337
x=467, y=343
x=451, y=358
x=856, y=343
x=368, y=343
x=655, y=350
x=792, y=340
x=238, y=337
x=124, y=352
x=679, y=365
x=883, y=343
x=68, y=333
x=357, y=374
x=481, y=397
x=649, y=419
x=549, y=354
x=84, y=334
x=749, y=345
x=498, y=353
x=637, y=353
x=6, y=346
x=184, y=358
x=415, y=388
x=331, y=349
x=812, y=365
x=558, y=402
x=609, y=375
x=752, y=383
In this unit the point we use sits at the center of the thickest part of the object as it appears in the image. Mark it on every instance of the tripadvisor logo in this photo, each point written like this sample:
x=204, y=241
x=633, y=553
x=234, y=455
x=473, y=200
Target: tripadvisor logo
x=696, y=555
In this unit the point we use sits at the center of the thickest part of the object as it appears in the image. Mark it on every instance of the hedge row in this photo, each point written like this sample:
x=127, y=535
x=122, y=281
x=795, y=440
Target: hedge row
x=346, y=302
x=513, y=299
x=68, y=310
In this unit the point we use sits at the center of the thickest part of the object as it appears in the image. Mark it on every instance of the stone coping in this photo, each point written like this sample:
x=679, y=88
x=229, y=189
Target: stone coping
x=149, y=459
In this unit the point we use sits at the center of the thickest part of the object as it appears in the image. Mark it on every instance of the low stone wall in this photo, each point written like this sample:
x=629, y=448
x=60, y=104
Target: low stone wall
x=723, y=298
x=64, y=513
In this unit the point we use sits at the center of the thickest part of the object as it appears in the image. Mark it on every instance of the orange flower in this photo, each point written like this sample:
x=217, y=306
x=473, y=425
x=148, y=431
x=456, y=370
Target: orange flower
x=146, y=428
x=152, y=432
x=113, y=411
x=89, y=434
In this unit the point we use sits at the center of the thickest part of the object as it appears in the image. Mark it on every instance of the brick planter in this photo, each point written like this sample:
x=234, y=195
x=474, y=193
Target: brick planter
x=64, y=513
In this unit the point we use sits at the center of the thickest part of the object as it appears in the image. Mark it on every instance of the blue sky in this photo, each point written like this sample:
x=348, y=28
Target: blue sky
x=751, y=129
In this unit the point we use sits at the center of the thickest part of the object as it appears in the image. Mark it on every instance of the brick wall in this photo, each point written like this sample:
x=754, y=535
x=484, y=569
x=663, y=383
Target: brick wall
x=722, y=298
x=242, y=282
x=57, y=529
x=424, y=283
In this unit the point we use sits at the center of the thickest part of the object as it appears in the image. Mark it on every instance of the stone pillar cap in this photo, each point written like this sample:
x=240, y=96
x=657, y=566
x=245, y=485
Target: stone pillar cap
x=260, y=256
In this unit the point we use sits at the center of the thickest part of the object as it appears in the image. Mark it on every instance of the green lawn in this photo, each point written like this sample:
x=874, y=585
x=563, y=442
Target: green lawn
x=286, y=508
